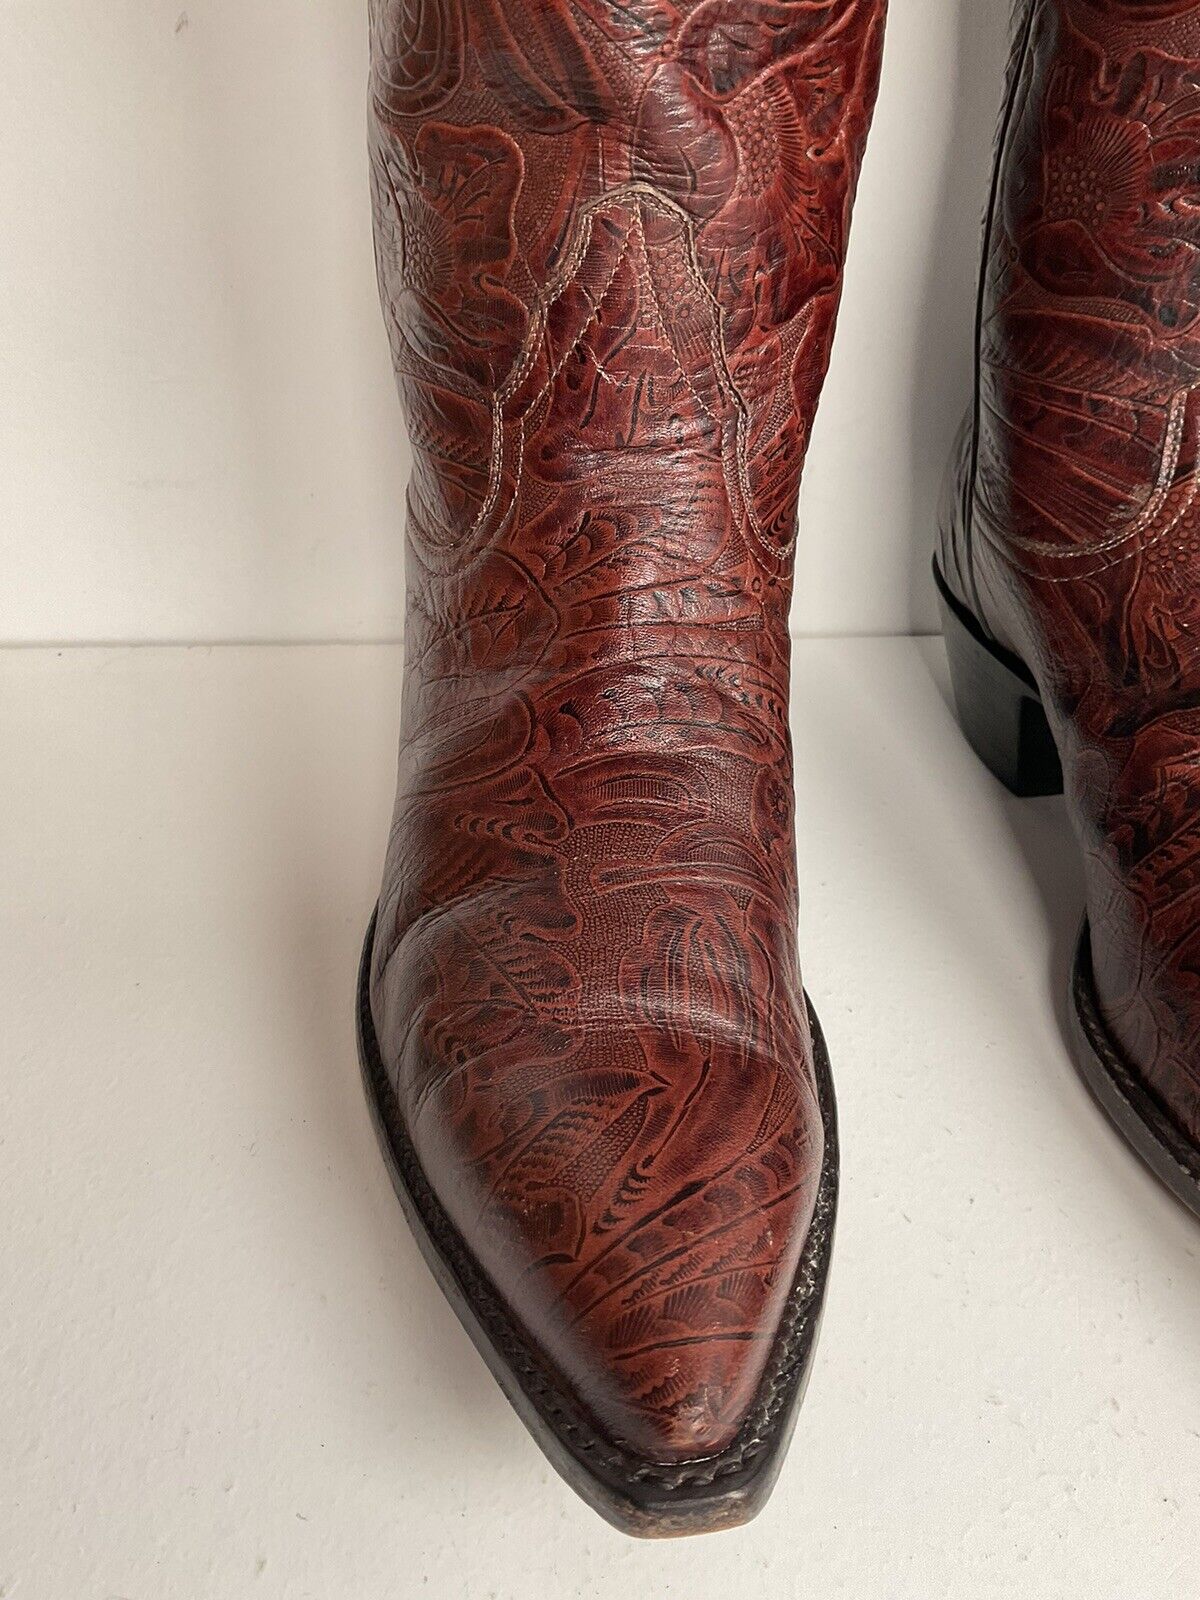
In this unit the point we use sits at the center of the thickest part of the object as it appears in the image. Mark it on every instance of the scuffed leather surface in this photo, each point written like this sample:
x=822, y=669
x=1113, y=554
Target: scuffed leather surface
x=610, y=245
x=1074, y=528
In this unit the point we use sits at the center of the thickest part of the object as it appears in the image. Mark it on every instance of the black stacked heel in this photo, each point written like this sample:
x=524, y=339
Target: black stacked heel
x=998, y=704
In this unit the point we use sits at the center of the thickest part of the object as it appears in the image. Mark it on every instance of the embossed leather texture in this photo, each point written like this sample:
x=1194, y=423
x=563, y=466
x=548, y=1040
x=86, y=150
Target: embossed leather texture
x=610, y=242
x=1072, y=529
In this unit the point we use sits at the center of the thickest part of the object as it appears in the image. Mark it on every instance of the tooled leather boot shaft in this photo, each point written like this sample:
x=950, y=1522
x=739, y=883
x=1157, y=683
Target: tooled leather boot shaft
x=1071, y=526
x=610, y=247
x=610, y=244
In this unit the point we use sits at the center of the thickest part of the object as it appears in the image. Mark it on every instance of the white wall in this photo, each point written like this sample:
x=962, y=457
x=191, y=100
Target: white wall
x=198, y=433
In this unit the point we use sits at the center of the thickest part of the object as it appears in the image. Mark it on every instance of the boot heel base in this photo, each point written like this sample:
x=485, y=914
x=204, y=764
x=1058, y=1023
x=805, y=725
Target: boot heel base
x=999, y=707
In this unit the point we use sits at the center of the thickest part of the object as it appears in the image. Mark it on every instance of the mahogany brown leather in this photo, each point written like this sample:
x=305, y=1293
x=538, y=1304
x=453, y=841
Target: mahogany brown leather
x=610, y=242
x=1072, y=528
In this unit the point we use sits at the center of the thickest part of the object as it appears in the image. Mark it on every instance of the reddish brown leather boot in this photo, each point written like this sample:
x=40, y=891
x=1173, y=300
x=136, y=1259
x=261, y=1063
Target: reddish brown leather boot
x=1070, y=557
x=610, y=246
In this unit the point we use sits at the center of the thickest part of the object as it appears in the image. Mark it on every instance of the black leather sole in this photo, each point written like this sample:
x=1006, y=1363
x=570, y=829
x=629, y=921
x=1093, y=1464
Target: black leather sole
x=1001, y=713
x=640, y=1497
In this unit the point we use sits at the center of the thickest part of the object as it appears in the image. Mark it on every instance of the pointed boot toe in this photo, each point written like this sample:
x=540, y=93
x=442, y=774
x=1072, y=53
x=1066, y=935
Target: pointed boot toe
x=636, y=1239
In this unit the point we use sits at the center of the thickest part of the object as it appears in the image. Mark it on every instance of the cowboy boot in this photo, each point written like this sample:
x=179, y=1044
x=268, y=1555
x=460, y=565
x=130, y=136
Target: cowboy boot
x=610, y=247
x=1069, y=564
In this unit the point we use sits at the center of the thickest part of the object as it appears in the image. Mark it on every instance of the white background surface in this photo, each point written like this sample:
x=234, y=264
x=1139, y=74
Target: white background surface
x=199, y=436
x=227, y=1373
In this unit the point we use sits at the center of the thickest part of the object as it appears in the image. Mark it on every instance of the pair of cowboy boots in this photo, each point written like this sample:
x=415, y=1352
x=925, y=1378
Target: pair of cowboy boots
x=610, y=243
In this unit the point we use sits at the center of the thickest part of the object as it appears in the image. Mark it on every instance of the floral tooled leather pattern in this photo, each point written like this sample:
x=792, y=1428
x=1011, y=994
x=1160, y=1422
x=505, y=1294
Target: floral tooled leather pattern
x=1077, y=535
x=610, y=244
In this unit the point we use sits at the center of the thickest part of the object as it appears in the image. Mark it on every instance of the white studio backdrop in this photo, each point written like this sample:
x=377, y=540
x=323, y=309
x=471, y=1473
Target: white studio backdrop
x=199, y=438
